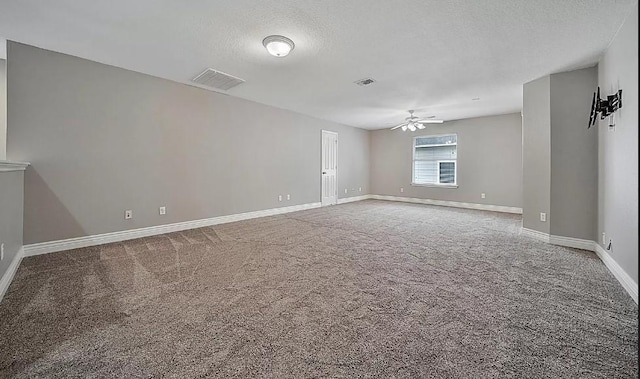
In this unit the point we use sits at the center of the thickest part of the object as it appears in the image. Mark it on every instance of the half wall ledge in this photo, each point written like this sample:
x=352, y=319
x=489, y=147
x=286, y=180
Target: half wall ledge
x=6, y=166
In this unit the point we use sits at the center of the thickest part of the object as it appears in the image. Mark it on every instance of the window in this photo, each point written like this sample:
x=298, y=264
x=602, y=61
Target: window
x=435, y=160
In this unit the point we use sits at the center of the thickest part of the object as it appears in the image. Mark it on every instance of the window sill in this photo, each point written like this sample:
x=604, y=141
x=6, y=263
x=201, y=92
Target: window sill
x=435, y=185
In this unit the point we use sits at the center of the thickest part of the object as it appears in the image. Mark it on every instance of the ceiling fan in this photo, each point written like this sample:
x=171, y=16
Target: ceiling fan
x=413, y=122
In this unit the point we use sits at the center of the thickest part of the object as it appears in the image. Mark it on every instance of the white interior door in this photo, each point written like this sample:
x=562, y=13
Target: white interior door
x=329, y=168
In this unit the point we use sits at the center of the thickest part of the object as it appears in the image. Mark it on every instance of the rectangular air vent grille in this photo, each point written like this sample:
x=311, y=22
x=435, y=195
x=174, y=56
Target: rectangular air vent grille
x=364, y=82
x=217, y=79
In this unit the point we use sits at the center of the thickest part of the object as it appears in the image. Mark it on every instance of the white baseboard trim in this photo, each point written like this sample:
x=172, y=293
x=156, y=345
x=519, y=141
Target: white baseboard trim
x=625, y=280
x=353, y=198
x=576, y=243
x=75, y=243
x=455, y=204
x=5, y=281
x=536, y=234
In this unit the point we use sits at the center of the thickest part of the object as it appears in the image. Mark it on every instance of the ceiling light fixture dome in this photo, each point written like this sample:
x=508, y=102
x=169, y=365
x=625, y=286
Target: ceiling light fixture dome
x=278, y=46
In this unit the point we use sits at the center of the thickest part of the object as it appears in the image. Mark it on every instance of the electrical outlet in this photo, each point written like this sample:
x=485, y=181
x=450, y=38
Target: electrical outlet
x=543, y=217
x=1, y=251
x=279, y=197
x=346, y=190
x=163, y=210
x=482, y=196
x=604, y=239
x=359, y=189
x=401, y=189
x=128, y=214
x=288, y=197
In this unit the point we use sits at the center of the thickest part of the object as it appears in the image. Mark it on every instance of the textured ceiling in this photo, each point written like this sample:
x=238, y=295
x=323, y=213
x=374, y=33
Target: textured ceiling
x=429, y=55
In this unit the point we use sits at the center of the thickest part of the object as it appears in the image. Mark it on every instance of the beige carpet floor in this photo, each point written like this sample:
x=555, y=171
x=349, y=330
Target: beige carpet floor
x=367, y=289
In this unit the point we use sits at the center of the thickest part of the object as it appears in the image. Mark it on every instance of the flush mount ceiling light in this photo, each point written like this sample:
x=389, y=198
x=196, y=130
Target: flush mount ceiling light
x=413, y=123
x=278, y=46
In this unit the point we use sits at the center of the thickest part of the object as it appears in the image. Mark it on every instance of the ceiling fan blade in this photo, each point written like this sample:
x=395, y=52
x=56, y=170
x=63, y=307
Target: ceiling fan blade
x=430, y=121
x=398, y=126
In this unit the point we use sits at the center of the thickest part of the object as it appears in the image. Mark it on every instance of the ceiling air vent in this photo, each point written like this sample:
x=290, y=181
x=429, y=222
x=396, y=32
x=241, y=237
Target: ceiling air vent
x=217, y=79
x=364, y=82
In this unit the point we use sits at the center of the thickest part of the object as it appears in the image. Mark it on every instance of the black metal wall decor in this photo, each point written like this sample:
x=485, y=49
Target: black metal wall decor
x=604, y=108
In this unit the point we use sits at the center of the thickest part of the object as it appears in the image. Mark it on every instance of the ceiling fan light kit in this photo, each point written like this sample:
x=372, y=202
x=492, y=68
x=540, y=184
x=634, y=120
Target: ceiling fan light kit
x=414, y=123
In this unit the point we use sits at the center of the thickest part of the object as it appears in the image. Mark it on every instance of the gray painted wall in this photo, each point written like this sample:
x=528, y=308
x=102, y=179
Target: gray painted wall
x=101, y=140
x=536, y=154
x=618, y=150
x=560, y=155
x=3, y=109
x=11, y=188
x=489, y=161
x=574, y=155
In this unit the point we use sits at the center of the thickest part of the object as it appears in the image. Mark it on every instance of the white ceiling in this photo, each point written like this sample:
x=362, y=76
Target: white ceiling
x=434, y=56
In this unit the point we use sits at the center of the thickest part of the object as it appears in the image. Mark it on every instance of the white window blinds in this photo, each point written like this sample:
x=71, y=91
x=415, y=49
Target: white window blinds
x=434, y=160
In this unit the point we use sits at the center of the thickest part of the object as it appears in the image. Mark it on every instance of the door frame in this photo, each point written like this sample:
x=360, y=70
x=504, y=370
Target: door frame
x=321, y=168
